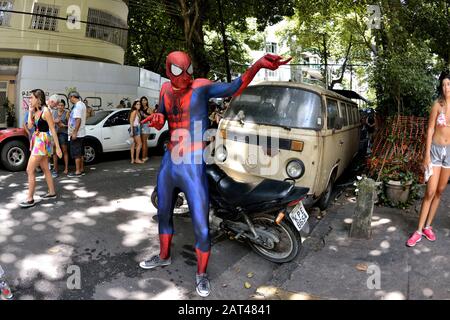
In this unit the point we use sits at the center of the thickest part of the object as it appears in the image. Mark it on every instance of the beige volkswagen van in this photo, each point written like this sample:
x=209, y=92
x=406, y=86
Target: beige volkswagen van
x=289, y=131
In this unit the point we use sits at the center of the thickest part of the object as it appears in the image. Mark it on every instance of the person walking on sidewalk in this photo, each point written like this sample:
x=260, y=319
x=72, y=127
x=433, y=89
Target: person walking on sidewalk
x=76, y=133
x=41, y=119
x=436, y=162
x=135, y=132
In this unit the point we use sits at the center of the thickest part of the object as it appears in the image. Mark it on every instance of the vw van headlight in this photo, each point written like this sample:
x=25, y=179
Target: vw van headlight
x=221, y=153
x=295, y=169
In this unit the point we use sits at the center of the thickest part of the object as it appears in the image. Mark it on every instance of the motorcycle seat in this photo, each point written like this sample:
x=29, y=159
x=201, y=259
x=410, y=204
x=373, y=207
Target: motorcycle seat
x=245, y=194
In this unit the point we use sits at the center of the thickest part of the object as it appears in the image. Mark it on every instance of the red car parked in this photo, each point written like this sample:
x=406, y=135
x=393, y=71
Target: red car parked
x=14, y=149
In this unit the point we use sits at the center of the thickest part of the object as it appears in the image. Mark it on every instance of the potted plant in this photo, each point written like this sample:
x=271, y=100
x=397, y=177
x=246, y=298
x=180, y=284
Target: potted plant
x=398, y=181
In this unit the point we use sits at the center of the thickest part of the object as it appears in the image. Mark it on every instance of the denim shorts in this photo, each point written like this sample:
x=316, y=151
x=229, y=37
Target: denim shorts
x=145, y=129
x=136, y=131
x=63, y=138
x=440, y=155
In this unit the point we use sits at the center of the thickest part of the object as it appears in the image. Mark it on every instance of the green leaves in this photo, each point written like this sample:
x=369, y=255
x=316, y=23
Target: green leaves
x=407, y=77
x=328, y=27
x=430, y=22
x=404, y=56
x=157, y=28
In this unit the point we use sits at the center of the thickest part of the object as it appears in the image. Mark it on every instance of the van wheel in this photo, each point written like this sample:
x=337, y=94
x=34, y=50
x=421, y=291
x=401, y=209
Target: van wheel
x=325, y=198
x=14, y=155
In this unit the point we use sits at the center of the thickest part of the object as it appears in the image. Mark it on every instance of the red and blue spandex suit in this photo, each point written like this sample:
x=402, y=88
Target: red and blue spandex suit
x=184, y=104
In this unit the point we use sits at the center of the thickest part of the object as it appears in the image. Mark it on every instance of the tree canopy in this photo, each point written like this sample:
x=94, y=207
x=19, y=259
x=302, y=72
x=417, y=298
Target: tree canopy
x=402, y=56
x=156, y=28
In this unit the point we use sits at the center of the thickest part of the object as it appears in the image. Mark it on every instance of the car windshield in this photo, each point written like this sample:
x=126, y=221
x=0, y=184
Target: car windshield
x=278, y=106
x=97, y=118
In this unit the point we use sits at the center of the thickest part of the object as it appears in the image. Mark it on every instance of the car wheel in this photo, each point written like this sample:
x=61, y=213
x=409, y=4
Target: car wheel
x=14, y=155
x=91, y=152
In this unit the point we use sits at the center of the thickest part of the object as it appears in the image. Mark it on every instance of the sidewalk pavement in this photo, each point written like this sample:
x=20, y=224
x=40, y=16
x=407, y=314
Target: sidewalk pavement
x=334, y=266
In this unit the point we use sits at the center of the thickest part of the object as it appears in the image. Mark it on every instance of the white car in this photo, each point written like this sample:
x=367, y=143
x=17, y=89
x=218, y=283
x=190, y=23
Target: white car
x=107, y=131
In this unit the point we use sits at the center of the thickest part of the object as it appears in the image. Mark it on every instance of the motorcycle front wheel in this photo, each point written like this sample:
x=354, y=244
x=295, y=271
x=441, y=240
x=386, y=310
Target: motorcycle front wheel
x=290, y=241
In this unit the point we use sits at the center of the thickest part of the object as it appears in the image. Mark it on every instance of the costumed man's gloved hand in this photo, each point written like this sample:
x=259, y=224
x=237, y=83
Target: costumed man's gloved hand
x=155, y=120
x=271, y=61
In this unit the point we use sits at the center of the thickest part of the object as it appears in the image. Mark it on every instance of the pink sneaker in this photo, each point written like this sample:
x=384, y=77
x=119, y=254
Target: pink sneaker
x=416, y=237
x=428, y=233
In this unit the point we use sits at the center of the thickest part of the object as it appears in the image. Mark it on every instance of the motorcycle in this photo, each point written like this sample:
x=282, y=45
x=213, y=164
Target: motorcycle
x=268, y=216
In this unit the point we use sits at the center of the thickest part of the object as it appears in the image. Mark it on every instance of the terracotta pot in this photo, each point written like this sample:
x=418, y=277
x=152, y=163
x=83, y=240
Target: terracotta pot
x=398, y=192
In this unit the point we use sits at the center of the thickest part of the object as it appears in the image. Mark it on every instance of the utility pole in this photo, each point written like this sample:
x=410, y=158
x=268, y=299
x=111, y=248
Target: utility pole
x=225, y=43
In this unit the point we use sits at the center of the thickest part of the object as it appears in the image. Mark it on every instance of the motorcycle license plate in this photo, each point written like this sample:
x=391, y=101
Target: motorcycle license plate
x=299, y=216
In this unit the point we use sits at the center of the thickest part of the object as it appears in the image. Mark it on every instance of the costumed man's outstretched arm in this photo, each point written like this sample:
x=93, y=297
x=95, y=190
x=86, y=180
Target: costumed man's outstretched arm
x=235, y=88
x=220, y=90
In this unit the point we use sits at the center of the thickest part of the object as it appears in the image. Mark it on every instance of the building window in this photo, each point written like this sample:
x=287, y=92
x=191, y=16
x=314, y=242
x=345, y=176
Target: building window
x=272, y=74
x=44, y=17
x=271, y=47
x=104, y=26
x=5, y=16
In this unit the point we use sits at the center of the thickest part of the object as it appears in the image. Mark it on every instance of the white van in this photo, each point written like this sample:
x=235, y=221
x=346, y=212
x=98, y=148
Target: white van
x=103, y=84
x=289, y=131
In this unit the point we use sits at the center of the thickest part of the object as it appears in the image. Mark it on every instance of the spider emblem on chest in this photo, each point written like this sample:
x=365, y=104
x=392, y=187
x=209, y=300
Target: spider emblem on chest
x=177, y=112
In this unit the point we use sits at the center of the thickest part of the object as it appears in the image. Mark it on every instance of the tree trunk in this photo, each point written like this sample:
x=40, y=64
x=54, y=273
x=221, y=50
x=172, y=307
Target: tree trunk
x=157, y=64
x=225, y=42
x=344, y=66
x=325, y=58
x=192, y=21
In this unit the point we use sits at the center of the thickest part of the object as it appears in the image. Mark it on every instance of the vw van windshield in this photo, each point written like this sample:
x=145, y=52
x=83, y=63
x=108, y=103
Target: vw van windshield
x=278, y=106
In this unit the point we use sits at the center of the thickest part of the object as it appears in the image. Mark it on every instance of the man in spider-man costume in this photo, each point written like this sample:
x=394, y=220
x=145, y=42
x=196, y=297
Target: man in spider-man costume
x=184, y=104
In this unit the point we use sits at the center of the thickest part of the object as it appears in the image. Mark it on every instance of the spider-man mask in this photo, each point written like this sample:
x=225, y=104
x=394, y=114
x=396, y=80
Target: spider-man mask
x=179, y=69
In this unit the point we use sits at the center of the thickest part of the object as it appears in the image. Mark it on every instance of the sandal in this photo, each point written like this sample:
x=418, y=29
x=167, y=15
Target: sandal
x=49, y=196
x=28, y=204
